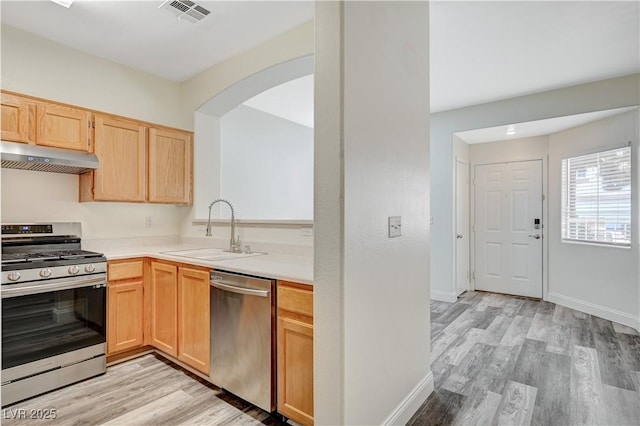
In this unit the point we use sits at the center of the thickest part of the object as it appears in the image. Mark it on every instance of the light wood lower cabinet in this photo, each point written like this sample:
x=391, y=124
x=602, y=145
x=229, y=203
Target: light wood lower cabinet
x=295, y=351
x=194, y=334
x=125, y=316
x=180, y=313
x=125, y=305
x=164, y=307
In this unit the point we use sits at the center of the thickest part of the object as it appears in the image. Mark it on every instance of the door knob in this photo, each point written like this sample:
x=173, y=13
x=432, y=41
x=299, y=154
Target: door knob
x=536, y=236
x=458, y=236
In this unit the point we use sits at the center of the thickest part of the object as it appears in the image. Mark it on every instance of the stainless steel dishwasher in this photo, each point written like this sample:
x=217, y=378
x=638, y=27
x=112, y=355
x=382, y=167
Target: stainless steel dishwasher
x=242, y=337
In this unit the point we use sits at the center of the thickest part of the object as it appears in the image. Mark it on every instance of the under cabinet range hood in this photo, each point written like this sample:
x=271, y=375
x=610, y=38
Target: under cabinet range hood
x=43, y=159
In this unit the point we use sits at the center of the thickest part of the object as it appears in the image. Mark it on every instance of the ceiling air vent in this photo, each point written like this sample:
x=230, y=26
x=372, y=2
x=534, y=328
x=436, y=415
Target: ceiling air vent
x=185, y=10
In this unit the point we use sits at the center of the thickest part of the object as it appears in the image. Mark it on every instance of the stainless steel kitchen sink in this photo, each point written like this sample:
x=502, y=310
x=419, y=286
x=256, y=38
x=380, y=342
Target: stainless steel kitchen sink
x=210, y=254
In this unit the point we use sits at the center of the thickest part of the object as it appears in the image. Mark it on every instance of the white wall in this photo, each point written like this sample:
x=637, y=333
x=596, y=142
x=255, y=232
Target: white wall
x=29, y=196
x=85, y=80
x=382, y=294
x=598, y=96
x=522, y=149
x=460, y=150
x=328, y=265
x=198, y=90
x=43, y=68
x=288, y=54
x=77, y=78
x=596, y=279
x=206, y=163
x=266, y=166
x=207, y=166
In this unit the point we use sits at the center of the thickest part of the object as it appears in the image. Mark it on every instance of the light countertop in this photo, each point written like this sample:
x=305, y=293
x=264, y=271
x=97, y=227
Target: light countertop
x=273, y=265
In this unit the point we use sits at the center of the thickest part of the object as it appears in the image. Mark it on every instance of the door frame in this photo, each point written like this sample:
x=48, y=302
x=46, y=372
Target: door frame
x=545, y=215
x=455, y=224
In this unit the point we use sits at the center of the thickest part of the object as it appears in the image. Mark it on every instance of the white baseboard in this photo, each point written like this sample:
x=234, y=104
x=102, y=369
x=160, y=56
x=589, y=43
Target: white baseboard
x=410, y=405
x=443, y=296
x=597, y=310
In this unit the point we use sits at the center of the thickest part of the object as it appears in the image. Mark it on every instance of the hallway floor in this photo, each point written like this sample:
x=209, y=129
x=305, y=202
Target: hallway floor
x=505, y=360
x=496, y=360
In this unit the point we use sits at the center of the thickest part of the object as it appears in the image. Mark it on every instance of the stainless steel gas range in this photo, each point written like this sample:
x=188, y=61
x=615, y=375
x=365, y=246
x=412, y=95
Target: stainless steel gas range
x=53, y=309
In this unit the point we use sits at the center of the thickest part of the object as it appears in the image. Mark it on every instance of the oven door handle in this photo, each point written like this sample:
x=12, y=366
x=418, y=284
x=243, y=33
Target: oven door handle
x=54, y=285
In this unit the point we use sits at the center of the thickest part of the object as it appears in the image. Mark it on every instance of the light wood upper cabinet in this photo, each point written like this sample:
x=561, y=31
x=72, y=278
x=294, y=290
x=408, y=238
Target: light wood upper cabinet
x=121, y=149
x=295, y=351
x=193, y=318
x=18, y=119
x=139, y=161
x=36, y=121
x=125, y=305
x=170, y=166
x=164, y=307
x=60, y=126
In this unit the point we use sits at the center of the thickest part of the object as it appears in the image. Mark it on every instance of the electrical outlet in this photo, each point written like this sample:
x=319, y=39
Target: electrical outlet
x=148, y=222
x=395, y=226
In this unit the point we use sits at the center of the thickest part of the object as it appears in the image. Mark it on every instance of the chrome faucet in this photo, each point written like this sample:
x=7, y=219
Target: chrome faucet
x=233, y=244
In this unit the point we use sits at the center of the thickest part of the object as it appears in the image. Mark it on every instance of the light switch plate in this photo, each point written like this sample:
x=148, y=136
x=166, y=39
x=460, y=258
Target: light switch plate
x=395, y=226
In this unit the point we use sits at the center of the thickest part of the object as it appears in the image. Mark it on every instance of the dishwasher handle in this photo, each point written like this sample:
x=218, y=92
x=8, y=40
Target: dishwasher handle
x=240, y=290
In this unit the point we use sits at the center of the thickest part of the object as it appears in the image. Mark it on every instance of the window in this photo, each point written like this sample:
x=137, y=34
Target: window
x=596, y=197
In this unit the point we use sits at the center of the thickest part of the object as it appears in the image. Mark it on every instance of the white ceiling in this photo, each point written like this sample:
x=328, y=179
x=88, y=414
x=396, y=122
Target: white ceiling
x=480, y=51
x=139, y=35
x=292, y=101
x=536, y=128
x=487, y=51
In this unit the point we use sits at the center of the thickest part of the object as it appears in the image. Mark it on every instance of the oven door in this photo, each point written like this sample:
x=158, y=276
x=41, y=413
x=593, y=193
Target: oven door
x=45, y=319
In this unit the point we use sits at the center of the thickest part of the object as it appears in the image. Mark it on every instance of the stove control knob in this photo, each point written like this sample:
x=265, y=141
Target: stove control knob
x=89, y=268
x=13, y=275
x=45, y=273
x=73, y=270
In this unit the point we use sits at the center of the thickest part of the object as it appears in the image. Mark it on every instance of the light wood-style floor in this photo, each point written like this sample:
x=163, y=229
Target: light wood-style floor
x=145, y=391
x=496, y=360
x=505, y=360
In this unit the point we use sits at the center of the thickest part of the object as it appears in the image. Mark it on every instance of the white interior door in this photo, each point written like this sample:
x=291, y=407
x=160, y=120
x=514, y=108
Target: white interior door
x=462, y=227
x=508, y=247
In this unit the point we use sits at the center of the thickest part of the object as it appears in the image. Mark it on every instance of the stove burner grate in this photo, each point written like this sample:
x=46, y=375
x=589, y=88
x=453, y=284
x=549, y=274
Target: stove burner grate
x=47, y=255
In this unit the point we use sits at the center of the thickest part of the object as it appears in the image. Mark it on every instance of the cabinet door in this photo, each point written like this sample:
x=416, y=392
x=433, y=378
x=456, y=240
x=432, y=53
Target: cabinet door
x=125, y=316
x=164, y=307
x=295, y=369
x=63, y=127
x=170, y=171
x=18, y=119
x=194, y=338
x=121, y=149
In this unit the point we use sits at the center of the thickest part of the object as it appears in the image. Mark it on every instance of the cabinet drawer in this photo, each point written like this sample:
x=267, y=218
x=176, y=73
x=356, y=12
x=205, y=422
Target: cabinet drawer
x=295, y=298
x=124, y=270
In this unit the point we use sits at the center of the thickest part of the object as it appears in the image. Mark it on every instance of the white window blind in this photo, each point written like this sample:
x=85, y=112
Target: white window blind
x=596, y=197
